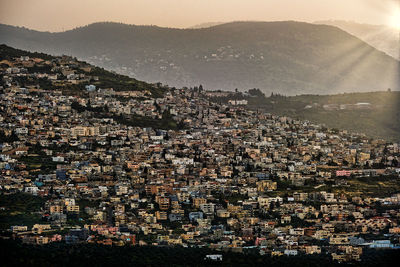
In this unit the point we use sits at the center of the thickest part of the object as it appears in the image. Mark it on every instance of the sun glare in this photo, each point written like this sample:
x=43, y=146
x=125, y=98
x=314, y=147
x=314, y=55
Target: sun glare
x=395, y=19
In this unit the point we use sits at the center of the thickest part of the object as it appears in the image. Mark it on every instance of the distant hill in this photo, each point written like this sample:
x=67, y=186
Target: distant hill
x=381, y=37
x=287, y=57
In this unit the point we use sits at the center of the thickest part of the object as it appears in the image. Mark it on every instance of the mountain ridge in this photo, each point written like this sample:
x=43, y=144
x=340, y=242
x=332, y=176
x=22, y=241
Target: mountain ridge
x=289, y=57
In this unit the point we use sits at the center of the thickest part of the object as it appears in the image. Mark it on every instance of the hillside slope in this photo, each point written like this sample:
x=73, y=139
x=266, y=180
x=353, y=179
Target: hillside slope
x=105, y=79
x=286, y=57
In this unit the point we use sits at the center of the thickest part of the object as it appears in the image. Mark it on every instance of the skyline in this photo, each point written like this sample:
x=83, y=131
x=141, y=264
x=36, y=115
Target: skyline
x=44, y=15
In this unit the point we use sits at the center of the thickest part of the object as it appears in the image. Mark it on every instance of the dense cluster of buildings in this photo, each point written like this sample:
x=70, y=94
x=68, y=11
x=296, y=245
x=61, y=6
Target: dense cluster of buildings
x=230, y=179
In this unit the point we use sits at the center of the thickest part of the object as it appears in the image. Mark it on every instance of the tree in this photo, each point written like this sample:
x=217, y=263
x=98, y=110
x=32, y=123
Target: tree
x=181, y=125
x=8, y=138
x=256, y=92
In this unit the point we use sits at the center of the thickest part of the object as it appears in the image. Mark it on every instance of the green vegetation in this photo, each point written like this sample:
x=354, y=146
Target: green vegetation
x=135, y=120
x=17, y=254
x=8, y=138
x=19, y=209
x=87, y=203
x=34, y=162
x=365, y=186
x=7, y=52
x=380, y=120
x=119, y=82
x=231, y=199
x=369, y=186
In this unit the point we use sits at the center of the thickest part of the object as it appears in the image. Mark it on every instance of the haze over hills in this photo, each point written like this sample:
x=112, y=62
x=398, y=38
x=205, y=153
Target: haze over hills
x=206, y=25
x=287, y=57
x=381, y=37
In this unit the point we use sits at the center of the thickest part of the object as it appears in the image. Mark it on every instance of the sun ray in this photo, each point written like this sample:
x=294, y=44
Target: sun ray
x=394, y=19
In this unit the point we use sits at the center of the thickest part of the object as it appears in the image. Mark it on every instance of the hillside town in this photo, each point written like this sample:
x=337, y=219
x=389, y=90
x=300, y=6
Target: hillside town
x=205, y=174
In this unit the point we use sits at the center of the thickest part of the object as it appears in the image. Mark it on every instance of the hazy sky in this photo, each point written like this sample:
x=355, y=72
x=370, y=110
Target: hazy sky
x=56, y=15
